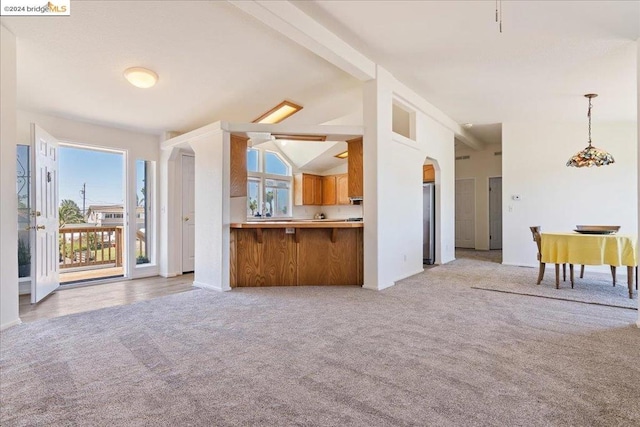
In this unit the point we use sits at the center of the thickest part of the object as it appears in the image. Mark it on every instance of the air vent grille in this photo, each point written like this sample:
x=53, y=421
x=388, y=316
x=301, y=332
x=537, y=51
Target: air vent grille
x=463, y=157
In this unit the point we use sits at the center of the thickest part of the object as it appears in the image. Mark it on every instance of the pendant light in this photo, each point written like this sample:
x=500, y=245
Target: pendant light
x=590, y=156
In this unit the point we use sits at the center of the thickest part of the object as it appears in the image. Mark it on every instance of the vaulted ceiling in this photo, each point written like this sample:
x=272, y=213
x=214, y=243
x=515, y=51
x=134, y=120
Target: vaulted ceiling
x=217, y=63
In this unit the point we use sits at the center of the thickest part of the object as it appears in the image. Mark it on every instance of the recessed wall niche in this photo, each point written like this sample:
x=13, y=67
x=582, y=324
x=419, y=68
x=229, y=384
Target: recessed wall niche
x=403, y=122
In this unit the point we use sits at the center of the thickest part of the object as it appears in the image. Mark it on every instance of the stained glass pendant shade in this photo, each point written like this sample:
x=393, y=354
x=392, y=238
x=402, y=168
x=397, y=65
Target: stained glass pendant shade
x=590, y=156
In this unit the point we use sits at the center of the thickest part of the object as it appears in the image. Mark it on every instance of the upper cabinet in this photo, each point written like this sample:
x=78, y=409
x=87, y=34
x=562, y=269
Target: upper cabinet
x=307, y=189
x=335, y=190
x=342, y=189
x=356, y=187
x=320, y=190
x=238, y=154
x=428, y=173
x=329, y=190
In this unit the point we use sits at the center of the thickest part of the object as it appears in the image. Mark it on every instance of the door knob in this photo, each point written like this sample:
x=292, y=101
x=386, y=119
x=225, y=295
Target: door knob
x=29, y=227
x=186, y=218
x=35, y=213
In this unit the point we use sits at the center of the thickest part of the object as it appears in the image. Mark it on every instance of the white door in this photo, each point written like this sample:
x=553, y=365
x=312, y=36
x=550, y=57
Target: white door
x=44, y=216
x=465, y=213
x=495, y=213
x=188, y=213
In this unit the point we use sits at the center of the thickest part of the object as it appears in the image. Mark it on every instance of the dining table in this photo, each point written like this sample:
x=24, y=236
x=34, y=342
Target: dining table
x=591, y=249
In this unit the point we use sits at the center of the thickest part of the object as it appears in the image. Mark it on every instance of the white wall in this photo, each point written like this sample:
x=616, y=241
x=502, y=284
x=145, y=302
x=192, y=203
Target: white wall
x=393, y=186
x=557, y=197
x=638, y=135
x=9, y=205
x=137, y=146
x=481, y=165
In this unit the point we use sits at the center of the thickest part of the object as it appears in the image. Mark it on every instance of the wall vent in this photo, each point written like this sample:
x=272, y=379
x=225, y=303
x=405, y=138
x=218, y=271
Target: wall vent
x=463, y=157
x=498, y=153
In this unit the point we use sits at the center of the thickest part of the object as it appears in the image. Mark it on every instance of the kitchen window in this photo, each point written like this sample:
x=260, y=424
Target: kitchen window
x=269, y=184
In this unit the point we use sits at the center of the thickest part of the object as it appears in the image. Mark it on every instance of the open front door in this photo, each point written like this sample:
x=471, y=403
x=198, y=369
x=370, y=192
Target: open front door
x=44, y=216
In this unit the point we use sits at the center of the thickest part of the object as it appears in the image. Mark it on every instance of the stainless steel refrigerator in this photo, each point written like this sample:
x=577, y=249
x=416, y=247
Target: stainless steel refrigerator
x=428, y=223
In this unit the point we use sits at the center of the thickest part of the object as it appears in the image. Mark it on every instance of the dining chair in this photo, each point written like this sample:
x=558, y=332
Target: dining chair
x=613, y=274
x=535, y=231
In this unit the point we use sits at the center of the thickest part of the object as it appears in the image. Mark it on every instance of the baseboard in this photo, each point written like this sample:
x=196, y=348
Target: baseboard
x=10, y=324
x=24, y=288
x=209, y=287
x=167, y=275
x=377, y=288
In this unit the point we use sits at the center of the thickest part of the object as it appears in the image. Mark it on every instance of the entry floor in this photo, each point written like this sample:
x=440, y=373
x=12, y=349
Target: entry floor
x=93, y=297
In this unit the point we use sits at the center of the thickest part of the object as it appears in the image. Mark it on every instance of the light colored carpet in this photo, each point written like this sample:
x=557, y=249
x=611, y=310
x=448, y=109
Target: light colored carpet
x=429, y=351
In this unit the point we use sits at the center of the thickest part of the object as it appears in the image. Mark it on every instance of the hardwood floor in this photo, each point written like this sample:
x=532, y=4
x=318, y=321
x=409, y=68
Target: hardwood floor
x=97, y=273
x=87, y=298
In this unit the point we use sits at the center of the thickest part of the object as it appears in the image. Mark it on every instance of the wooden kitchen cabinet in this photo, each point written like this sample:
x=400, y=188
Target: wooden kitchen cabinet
x=329, y=196
x=428, y=173
x=342, y=189
x=354, y=162
x=307, y=189
x=238, y=154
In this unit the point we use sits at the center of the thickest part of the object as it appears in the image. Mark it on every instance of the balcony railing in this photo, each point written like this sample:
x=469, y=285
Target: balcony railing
x=97, y=246
x=91, y=246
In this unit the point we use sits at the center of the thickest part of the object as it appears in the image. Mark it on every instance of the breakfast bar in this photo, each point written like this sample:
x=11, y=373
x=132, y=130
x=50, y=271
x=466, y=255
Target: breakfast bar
x=296, y=253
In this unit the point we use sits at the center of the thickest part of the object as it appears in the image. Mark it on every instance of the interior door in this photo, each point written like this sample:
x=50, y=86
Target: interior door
x=44, y=216
x=188, y=213
x=465, y=213
x=495, y=213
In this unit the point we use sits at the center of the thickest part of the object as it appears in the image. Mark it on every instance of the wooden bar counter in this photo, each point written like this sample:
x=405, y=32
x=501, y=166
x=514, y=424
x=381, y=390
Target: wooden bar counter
x=296, y=253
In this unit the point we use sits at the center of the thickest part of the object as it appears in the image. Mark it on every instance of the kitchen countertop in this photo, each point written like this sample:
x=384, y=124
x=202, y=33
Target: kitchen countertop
x=310, y=223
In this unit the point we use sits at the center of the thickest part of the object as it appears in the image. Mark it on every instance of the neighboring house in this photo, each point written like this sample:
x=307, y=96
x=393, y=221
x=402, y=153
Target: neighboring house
x=112, y=215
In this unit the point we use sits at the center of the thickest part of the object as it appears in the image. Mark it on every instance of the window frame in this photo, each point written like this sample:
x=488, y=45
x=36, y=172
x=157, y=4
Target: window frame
x=261, y=177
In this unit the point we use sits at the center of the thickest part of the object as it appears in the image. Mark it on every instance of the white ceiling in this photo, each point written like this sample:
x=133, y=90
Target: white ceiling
x=452, y=53
x=216, y=63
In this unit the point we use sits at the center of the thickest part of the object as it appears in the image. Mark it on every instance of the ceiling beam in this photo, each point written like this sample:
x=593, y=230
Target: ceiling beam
x=295, y=24
x=290, y=21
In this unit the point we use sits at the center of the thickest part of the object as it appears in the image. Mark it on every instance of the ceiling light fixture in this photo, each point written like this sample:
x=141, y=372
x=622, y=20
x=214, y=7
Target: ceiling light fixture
x=590, y=156
x=278, y=113
x=141, y=77
x=316, y=138
x=467, y=125
x=342, y=155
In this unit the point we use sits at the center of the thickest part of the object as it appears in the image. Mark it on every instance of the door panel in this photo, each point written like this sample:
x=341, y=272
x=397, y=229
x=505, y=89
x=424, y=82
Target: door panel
x=465, y=213
x=495, y=213
x=44, y=216
x=188, y=213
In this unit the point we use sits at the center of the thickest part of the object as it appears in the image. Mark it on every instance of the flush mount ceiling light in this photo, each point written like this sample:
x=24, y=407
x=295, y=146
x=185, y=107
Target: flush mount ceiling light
x=318, y=138
x=467, y=125
x=278, y=113
x=141, y=77
x=342, y=155
x=590, y=156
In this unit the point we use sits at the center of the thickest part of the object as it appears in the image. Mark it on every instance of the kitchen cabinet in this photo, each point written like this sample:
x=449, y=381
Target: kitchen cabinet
x=354, y=164
x=342, y=189
x=307, y=189
x=329, y=190
x=238, y=154
x=335, y=190
x=428, y=173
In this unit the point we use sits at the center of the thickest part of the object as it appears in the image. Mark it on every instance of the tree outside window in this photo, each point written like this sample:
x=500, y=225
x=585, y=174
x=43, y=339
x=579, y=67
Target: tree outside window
x=269, y=184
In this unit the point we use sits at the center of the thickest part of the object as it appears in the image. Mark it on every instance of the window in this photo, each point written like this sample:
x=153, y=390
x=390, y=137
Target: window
x=143, y=212
x=269, y=184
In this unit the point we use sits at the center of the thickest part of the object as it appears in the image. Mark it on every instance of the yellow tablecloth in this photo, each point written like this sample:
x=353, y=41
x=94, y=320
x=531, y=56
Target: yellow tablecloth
x=589, y=249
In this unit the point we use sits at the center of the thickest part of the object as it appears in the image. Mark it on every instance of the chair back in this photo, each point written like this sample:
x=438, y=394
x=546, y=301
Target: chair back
x=535, y=230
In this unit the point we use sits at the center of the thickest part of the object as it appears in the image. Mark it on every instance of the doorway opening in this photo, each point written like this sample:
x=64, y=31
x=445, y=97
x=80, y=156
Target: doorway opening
x=465, y=227
x=92, y=214
x=495, y=213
